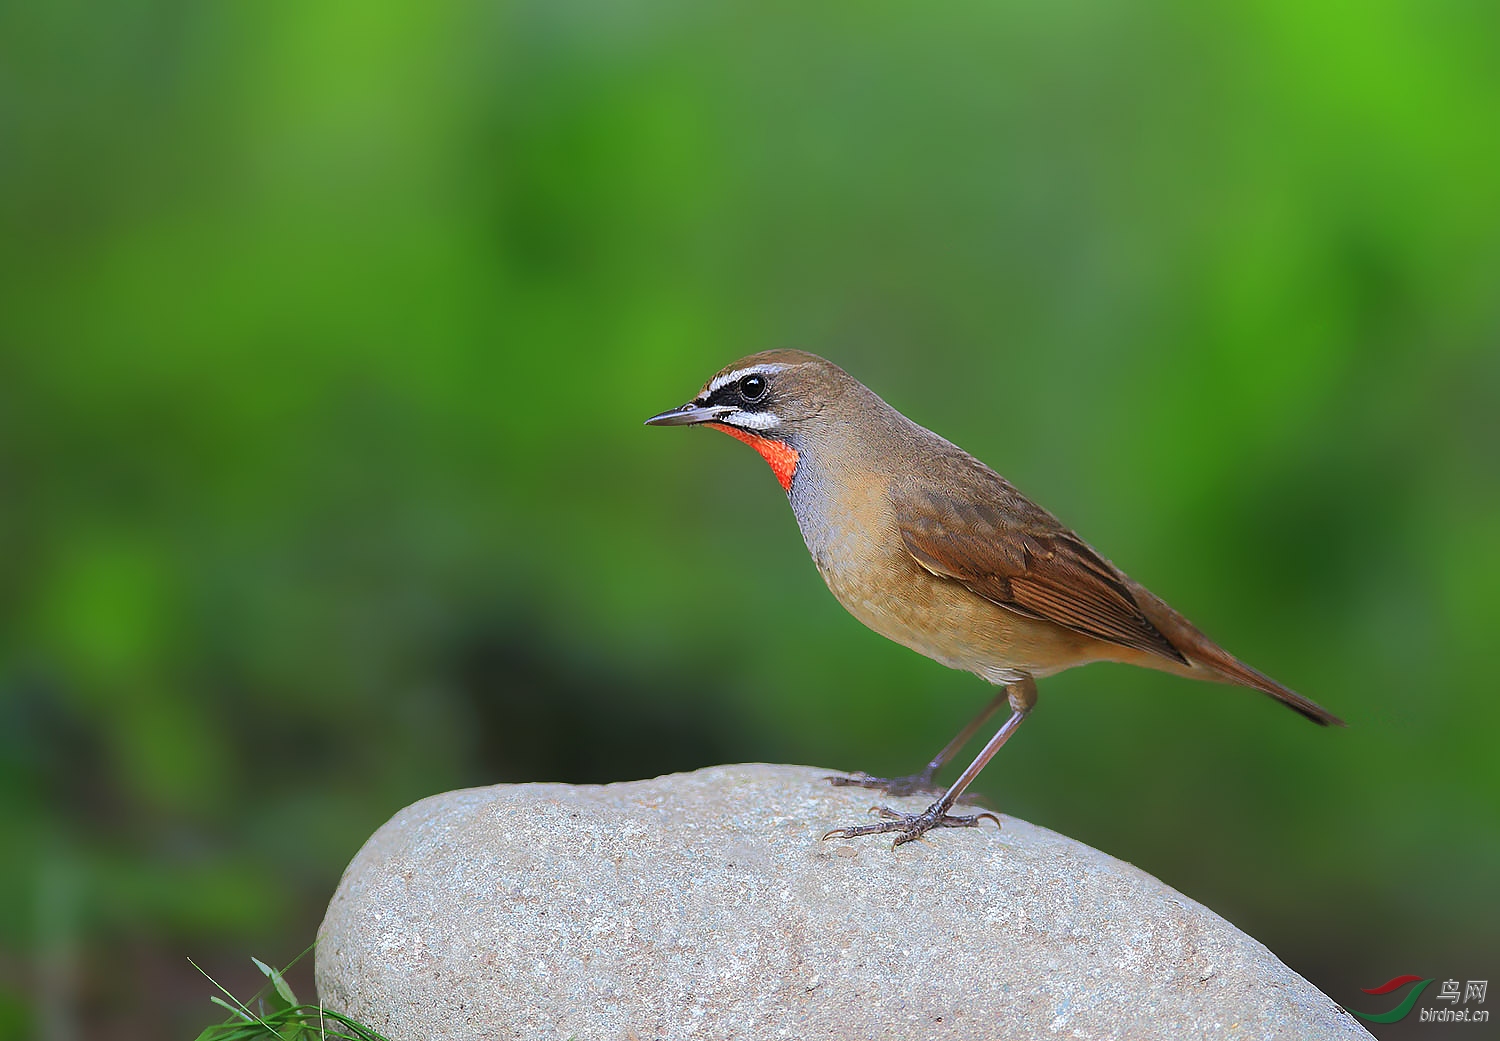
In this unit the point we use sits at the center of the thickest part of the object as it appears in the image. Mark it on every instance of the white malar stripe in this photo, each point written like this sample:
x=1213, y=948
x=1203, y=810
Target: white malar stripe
x=720, y=382
x=752, y=420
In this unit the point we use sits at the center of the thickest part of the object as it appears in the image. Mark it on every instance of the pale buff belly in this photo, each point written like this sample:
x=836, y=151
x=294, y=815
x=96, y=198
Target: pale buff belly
x=940, y=618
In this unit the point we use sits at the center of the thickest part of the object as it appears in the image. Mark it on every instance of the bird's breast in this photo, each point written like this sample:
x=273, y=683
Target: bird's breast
x=857, y=547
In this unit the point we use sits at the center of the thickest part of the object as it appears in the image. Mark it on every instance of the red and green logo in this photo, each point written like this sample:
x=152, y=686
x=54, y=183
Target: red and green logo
x=1402, y=1010
x=1455, y=994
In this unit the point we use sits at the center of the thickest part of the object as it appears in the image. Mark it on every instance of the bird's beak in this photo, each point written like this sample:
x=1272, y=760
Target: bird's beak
x=689, y=414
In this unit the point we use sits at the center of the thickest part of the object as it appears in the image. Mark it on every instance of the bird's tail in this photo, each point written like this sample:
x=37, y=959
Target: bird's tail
x=1207, y=660
x=1220, y=661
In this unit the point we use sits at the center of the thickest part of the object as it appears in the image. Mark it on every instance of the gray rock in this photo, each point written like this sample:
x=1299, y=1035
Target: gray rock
x=705, y=905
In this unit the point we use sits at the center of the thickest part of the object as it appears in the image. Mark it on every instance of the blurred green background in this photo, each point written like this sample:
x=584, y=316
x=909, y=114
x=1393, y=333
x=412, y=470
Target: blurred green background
x=326, y=331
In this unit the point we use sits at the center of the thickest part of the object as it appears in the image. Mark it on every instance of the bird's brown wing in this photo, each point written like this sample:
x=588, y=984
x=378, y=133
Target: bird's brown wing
x=1005, y=548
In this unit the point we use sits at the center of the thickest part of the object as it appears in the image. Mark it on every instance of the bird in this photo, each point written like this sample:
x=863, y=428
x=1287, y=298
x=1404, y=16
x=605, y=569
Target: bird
x=931, y=548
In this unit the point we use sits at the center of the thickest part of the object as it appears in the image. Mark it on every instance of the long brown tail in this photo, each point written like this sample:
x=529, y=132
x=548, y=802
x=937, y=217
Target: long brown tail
x=1233, y=670
x=1211, y=662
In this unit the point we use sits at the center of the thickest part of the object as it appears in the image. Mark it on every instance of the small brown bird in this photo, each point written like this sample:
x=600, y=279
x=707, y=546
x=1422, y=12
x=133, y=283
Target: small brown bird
x=931, y=548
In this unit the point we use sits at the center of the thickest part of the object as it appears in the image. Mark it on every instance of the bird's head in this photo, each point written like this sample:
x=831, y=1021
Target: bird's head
x=767, y=401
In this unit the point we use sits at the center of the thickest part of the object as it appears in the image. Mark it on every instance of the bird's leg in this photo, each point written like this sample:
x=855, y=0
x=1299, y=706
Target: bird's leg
x=922, y=783
x=909, y=826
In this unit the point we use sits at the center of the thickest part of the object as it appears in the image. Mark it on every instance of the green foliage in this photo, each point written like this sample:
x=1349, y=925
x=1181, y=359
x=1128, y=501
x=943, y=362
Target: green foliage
x=275, y=1012
x=326, y=331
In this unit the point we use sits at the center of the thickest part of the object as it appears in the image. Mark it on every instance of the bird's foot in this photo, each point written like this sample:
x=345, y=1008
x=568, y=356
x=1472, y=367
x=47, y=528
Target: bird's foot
x=911, y=784
x=911, y=826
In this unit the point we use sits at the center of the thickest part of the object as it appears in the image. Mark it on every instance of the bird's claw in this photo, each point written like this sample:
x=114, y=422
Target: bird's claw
x=910, y=826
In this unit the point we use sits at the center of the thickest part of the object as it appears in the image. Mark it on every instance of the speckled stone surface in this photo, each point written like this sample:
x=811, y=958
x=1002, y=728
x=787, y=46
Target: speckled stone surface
x=704, y=905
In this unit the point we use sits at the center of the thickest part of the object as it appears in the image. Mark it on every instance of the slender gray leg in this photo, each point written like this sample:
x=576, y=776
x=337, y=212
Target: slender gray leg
x=909, y=826
x=922, y=783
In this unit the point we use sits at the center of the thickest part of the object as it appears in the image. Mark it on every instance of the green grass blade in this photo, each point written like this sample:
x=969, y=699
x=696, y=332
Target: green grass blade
x=278, y=983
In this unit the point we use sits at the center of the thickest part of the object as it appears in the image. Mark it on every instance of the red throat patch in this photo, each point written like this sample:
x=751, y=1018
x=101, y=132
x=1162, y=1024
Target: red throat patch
x=782, y=456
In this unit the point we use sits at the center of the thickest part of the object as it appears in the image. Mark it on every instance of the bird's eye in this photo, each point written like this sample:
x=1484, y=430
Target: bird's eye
x=753, y=387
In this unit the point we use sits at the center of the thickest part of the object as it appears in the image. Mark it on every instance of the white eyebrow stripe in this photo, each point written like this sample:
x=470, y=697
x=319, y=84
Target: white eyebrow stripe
x=720, y=382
